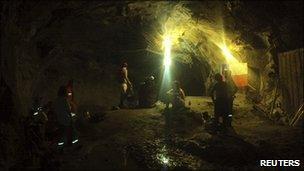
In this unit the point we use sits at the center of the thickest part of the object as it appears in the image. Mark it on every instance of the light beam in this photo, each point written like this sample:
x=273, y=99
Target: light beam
x=167, y=52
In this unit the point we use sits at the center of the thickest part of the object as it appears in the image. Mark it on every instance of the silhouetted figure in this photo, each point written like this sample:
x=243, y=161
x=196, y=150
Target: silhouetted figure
x=64, y=118
x=219, y=95
x=146, y=93
x=232, y=89
x=176, y=96
x=39, y=120
x=126, y=85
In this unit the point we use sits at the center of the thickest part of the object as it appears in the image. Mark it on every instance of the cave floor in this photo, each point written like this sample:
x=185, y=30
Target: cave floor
x=139, y=139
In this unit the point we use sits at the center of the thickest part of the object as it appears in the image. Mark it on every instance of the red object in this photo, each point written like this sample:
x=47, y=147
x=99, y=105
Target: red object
x=240, y=80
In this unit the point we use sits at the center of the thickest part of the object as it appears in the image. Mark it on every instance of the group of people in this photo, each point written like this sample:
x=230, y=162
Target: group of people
x=146, y=93
x=222, y=94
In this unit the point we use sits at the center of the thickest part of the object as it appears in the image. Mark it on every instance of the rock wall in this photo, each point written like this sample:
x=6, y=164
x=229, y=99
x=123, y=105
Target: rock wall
x=44, y=44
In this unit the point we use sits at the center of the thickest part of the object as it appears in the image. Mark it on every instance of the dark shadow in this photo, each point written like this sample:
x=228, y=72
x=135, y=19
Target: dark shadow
x=226, y=148
x=91, y=113
x=223, y=148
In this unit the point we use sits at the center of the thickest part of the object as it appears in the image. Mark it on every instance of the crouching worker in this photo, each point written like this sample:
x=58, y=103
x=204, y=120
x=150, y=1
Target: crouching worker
x=64, y=119
x=176, y=97
x=219, y=95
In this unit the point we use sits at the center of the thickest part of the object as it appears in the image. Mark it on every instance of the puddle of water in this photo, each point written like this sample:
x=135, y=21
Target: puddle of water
x=157, y=154
x=164, y=158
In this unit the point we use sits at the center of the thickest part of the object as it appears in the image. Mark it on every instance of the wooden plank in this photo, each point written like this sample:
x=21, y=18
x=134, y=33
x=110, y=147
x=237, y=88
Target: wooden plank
x=280, y=77
x=283, y=81
x=294, y=82
x=254, y=77
x=285, y=85
x=281, y=74
x=285, y=74
x=301, y=74
x=298, y=114
x=298, y=77
x=291, y=76
x=289, y=80
x=287, y=68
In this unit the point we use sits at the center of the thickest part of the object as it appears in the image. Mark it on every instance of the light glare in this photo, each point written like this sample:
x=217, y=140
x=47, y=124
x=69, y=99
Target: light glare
x=236, y=67
x=167, y=51
x=60, y=143
x=165, y=160
x=75, y=141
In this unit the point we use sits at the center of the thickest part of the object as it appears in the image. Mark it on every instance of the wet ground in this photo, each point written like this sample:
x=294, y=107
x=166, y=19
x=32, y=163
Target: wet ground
x=154, y=139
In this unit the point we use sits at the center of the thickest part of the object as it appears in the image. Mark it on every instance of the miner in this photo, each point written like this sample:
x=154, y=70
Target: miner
x=64, y=118
x=126, y=85
x=146, y=93
x=219, y=95
x=232, y=89
x=176, y=96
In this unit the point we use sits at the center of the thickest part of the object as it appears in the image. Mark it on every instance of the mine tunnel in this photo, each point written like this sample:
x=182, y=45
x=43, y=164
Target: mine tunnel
x=151, y=85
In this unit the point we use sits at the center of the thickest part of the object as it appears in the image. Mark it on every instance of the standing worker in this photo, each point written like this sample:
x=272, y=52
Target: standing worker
x=219, y=95
x=64, y=119
x=126, y=85
x=232, y=89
